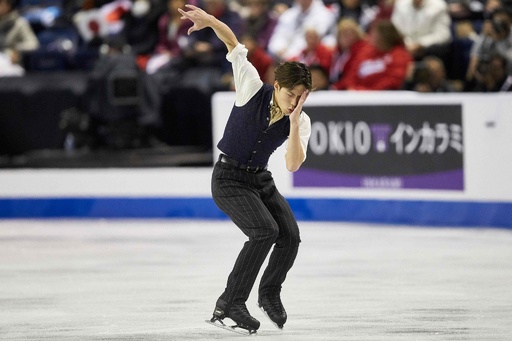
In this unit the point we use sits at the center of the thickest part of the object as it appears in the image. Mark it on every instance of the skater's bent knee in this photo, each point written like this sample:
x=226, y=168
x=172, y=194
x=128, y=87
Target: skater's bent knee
x=267, y=233
x=290, y=241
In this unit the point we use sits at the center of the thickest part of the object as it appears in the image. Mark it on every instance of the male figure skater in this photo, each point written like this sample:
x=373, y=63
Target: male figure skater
x=262, y=118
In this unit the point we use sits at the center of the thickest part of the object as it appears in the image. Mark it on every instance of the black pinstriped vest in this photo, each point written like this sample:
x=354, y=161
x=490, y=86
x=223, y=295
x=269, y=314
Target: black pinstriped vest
x=247, y=137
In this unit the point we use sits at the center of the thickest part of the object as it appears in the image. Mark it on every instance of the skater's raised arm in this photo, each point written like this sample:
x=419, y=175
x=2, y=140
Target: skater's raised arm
x=201, y=19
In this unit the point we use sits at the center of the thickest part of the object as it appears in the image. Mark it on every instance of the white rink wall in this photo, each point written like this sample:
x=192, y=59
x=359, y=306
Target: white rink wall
x=487, y=151
x=487, y=168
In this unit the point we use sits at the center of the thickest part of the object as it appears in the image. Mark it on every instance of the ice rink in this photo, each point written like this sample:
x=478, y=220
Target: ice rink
x=159, y=280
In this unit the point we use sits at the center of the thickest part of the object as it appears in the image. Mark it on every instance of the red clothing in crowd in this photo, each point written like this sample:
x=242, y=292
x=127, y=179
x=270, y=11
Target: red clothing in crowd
x=342, y=61
x=377, y=70
x=321, y=56
x=261, y=60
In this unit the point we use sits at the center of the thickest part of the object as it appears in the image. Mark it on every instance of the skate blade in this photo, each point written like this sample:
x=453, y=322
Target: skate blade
x=235, y=329
x=280, y=327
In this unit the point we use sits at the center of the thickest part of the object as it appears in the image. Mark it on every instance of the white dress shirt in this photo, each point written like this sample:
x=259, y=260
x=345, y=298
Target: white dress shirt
x=426, y=26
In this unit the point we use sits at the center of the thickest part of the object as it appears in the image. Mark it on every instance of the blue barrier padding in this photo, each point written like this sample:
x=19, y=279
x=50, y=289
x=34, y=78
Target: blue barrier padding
x=109, y=208
x=402, y=212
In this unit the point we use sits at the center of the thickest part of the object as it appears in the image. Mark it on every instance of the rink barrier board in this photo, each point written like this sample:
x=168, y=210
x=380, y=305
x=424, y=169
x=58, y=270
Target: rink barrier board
x=394, y=212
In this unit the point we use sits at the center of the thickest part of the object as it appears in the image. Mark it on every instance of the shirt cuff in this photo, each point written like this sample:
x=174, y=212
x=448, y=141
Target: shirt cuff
x=236, y=51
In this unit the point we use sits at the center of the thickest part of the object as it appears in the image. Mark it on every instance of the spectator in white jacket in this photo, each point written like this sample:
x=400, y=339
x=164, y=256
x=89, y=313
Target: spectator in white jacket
x=425, y=25
x=16, y=37
x=288, y=38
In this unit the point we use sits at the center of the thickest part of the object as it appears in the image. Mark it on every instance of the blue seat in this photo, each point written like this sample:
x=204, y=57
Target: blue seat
x=58, y=45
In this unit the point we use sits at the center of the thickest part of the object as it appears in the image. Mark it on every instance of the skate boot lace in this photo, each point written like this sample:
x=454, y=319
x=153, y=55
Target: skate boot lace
x=274, y=309
x=242, y=310
x=277, y=305
x=240, y=314
x=273, y=305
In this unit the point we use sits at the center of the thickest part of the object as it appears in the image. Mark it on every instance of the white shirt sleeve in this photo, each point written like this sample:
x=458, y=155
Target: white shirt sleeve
x=246, y=77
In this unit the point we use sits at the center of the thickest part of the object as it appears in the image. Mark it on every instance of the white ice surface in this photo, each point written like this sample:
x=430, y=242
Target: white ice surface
x=159, y=280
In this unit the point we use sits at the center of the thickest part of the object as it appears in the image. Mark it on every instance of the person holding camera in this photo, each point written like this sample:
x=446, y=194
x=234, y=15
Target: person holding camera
x=495, y=79
x=496, y=39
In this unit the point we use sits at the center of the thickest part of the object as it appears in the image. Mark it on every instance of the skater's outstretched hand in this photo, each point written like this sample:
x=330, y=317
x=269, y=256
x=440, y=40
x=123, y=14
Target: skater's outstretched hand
x=201, y=19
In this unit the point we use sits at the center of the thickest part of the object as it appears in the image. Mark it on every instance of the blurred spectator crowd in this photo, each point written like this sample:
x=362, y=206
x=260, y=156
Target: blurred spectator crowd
x=141, y=49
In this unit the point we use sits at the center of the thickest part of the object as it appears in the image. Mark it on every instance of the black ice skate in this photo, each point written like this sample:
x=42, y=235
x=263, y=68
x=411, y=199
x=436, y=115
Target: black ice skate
x=273, y=308
x=245, y=323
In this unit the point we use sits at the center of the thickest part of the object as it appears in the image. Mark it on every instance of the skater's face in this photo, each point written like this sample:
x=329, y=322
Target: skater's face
x=287, y=99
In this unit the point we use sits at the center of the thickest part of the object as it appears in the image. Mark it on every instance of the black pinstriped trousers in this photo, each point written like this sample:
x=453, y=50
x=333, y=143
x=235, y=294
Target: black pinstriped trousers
x=254, y=204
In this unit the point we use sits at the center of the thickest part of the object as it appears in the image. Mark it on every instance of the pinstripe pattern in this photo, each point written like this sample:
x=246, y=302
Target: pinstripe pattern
x=254, y=204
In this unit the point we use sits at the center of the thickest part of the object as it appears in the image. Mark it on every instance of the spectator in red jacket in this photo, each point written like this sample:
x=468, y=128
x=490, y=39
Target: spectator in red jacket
x=383, y=64
x=351, y=40
x=315, y=53
x=260, y=58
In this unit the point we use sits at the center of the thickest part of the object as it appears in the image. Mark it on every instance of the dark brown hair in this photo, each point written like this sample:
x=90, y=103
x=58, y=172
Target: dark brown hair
x=390, y=36
x=291, y=74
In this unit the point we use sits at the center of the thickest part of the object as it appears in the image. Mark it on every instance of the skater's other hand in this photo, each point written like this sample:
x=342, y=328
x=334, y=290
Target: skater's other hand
x=298, y=108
